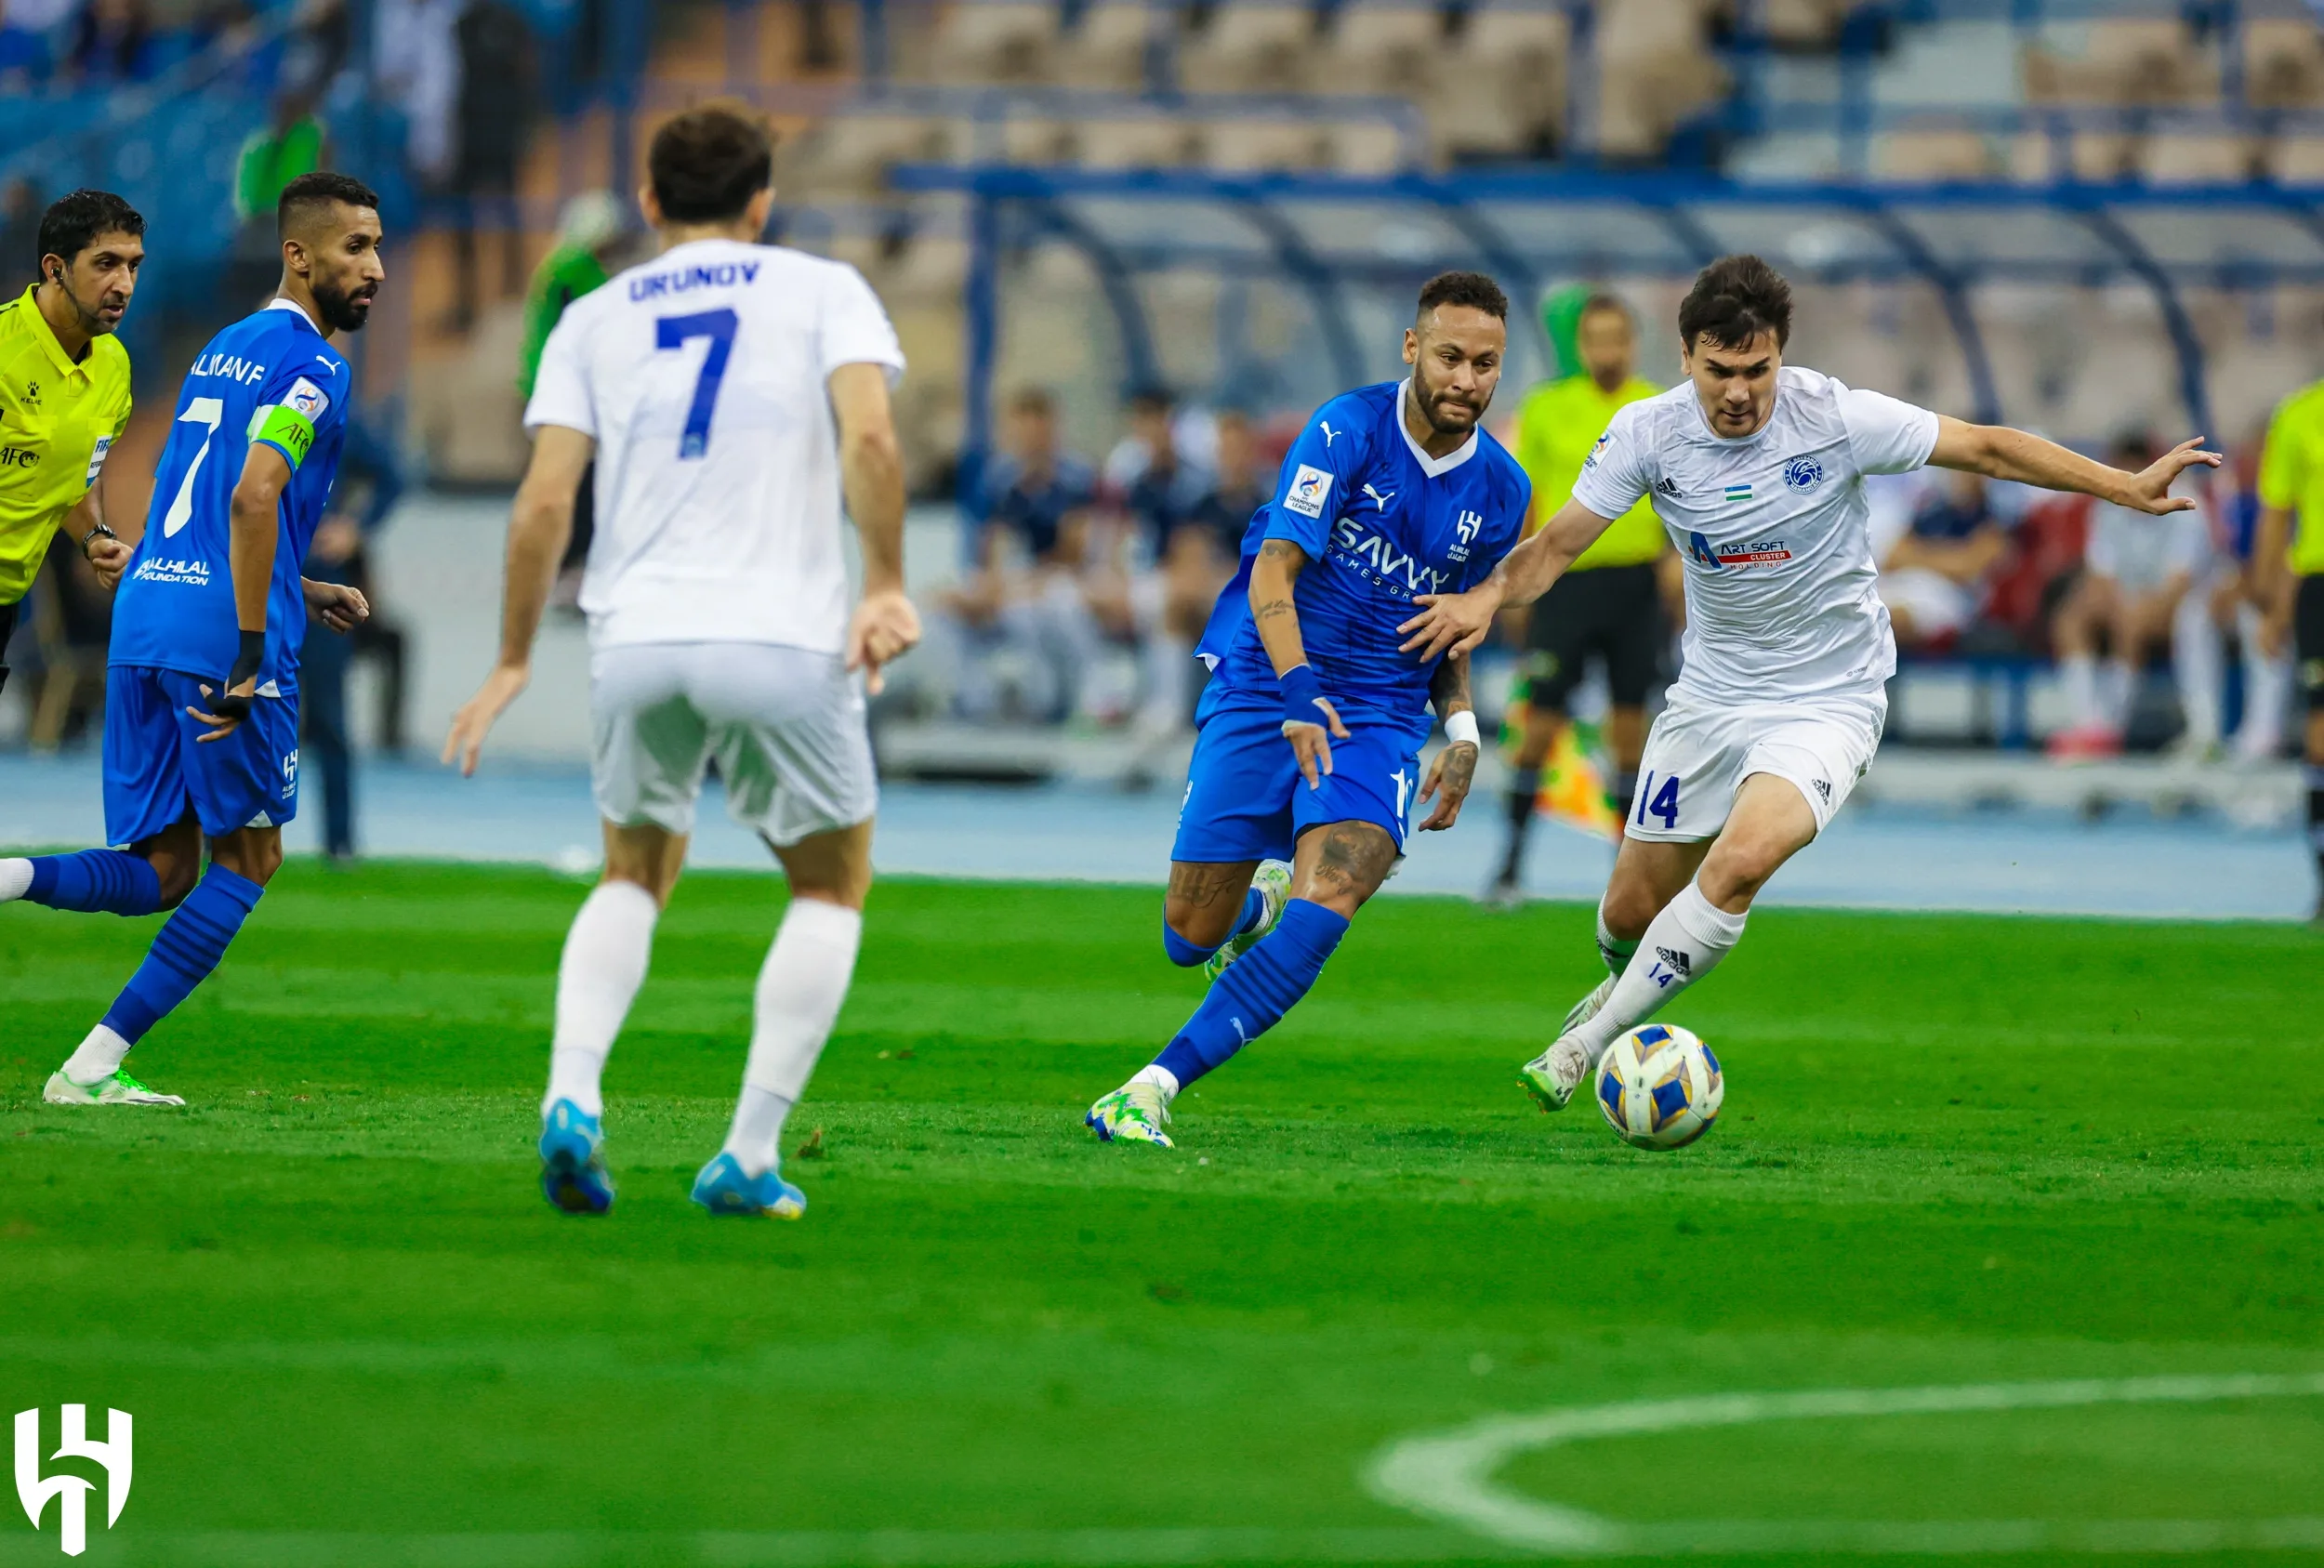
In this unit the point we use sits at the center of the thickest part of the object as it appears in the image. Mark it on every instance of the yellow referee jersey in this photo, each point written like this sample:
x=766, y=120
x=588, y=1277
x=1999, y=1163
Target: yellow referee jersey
x=57, y=421
x=2291, y=474
x=1557, y=425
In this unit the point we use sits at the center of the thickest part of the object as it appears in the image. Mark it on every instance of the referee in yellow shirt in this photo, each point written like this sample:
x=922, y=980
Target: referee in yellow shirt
x=1608, y=604
x=64, y=392
x=2292, y=537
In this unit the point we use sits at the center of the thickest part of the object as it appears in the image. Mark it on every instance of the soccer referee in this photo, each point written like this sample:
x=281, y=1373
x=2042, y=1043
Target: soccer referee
x=64, y=391
x=1608, y=603
x=2291, y=535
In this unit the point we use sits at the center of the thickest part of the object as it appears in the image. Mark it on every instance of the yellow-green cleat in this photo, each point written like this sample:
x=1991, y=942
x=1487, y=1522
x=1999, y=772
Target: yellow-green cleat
x=1133, y=1113
x=119, y=1090
x=1553, y=1076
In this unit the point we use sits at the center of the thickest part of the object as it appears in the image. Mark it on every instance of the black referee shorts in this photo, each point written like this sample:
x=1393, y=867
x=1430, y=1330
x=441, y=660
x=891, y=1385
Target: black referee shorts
x=1611, y=613
x=2307, y=637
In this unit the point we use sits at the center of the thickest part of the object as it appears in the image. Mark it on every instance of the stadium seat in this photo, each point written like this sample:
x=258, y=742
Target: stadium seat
x=1107, y=47
x=995, y=41
x=2096, y=158
x=1038, y=142
x=2197, y=159
x=1655, y=71
x=2297, y=160
x=1255, y=146
x=1933, y=154
x=1154, y=142
x=1804, y=24
x=1366, y=146
x=1504, y=90
x=853, y=153
x=1380, y=47
x=2283, y=63
x=1252, y=49
x=2149, y=61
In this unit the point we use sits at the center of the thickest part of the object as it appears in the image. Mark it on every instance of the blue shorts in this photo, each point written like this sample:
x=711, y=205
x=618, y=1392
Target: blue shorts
x=1246, y=800
x=156, y=767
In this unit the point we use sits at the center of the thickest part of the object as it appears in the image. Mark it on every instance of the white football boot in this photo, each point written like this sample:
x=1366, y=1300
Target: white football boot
x=1133, y=1113
x=1589, y=1007
x=1553, y=1076
x=119, y=1090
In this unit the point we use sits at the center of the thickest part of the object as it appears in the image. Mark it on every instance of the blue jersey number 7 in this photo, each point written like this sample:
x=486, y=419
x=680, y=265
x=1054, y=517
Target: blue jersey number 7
x=718, y=326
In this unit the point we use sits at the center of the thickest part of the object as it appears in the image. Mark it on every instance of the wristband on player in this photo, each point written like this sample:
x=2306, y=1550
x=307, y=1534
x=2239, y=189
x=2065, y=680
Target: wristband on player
x=1302, y=691
x=1461, y=729
x=251, y=654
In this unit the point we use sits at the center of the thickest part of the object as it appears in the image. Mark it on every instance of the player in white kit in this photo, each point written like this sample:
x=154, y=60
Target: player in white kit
x=731, y=394
x=1757, y=470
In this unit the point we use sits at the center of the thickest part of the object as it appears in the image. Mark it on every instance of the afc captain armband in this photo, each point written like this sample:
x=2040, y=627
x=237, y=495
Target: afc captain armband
x=1461, y=729
x=285, y=427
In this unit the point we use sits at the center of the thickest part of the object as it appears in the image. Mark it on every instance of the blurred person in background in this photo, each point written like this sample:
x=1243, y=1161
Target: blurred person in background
x=109, y=39
x=1608, y=606
x=1935, y=578
x=370, y=481
x=493, y=112
x=2137, y=569
x=415, y=65
x=19, y=233
x=2232, y=601
x=2290, y=553
x=1158, y=489
x=592, y=233
x=292, y=142
x=1200, y=557
x=1024, y=591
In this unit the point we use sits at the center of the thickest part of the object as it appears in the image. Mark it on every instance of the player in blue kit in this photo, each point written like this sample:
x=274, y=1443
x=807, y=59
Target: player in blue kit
x=1310, y=732
x=201, y=701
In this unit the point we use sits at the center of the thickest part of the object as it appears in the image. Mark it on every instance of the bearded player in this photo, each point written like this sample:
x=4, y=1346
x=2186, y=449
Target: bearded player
x=1310, y=732
x=202, y=699
x=1756, y=470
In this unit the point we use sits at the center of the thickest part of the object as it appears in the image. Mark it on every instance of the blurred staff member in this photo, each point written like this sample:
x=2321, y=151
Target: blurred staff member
x=1609, y=603
x=64, y=391
x=2291, y=552
x=590, y=234
x=340, y=554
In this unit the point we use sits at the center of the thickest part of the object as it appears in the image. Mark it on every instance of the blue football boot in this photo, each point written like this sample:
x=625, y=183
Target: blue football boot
x=572, y=1161
x=723, y=1189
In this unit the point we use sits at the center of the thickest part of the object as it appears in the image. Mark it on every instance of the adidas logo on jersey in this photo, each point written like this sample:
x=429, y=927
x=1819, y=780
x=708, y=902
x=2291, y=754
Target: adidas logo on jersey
x=1675, y=960
x=1667, y=486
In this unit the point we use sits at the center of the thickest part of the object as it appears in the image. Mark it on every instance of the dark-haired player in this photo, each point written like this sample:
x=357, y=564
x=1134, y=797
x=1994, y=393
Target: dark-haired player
x=64, y=397
x=1309, y=736
x=201, y=701
x=1757, y=470
x=733, y=394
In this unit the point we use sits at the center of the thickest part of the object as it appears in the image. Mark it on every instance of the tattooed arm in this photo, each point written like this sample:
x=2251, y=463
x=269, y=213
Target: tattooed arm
x=1455, y=766
x=1275, y=610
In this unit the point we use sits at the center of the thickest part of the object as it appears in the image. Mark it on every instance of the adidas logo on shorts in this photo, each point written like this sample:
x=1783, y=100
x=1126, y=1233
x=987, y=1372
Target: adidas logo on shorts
x=1823, y=787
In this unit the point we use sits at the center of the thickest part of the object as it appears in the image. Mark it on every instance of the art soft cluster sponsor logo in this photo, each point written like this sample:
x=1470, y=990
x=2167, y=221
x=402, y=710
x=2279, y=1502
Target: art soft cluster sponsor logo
x=68, y=1492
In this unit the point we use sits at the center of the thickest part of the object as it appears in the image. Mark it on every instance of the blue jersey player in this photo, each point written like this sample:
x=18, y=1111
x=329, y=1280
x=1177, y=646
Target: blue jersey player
x=1309, y=739
x=201, y=701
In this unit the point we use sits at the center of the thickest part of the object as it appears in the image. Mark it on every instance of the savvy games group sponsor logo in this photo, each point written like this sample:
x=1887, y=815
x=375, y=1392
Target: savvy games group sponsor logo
x=71, y=1492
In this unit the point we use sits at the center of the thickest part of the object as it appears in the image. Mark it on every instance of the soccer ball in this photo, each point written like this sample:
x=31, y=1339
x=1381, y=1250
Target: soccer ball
x=1659, y=1086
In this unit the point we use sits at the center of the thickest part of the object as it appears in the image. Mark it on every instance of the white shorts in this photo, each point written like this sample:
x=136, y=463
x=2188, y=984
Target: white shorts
x=1698, y=754
x=786, y=725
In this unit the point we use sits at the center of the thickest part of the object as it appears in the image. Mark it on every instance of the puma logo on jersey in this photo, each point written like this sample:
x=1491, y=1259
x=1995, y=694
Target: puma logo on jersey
x=1330, y=435
x=1378, y=499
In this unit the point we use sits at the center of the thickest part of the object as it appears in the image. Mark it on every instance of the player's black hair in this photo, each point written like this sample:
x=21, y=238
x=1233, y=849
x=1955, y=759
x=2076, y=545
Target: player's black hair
x=303, y=197
x=1473, y=289
x=74, y=223
x=706, y=164
x=1734, y=299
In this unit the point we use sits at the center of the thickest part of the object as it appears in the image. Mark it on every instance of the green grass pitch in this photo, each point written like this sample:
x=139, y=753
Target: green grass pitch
x=1955, y=1150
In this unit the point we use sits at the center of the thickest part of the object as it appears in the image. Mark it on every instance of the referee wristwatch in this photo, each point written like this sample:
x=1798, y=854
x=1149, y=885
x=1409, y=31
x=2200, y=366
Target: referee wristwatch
x=100, y=532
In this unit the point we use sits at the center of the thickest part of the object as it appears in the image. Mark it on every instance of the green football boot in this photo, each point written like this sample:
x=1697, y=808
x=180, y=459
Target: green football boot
x=1133, y=1113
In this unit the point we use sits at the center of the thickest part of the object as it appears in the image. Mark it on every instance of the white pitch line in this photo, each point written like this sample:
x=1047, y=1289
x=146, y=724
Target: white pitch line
x=1449, y=1476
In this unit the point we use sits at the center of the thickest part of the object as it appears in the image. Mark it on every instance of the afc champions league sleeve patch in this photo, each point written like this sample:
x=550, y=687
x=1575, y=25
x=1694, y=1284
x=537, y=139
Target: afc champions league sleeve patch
x=1803, y=474
x=1597, y=449
x=308, y=397
x=1311, y=487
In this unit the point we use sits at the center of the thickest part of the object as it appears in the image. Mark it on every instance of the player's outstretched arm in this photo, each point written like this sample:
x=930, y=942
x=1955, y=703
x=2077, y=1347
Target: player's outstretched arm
x=885, y=625
x=1275, y=610
x=1456, y=765
x=1998, y=451
x=539, y=527
x=1455, y=623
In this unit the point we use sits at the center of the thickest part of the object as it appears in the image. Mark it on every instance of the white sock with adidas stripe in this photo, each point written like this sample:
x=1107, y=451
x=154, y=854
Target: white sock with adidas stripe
x=1685, y=942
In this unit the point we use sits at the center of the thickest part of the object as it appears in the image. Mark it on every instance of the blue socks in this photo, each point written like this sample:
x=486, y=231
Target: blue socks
x=187, y=948
x=1252, y=996
x=95, y=882
x=1187, y=954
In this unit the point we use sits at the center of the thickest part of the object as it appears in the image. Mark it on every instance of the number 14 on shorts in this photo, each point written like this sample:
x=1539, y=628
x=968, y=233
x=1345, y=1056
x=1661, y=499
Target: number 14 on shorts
x=1661, y=800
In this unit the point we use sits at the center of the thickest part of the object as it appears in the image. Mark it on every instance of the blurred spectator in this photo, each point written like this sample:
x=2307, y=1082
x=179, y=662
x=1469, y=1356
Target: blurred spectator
x=292, y=142
x=2126, y=602
x=1935, y=579
x=2232, y=601
x=1022, y=596
x=1201, y=554
x=322, y=37
x=1157, y=488
x=109, y=38
x=494, y=110
x=369, y=483
x=416, y=58
x=20, y=208
x=591, y=234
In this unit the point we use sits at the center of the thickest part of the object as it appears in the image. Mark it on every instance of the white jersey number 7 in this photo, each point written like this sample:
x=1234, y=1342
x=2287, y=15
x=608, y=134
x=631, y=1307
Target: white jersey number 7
x=201, y=411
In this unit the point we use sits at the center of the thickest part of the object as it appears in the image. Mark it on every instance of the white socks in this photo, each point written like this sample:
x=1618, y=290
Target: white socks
x=98, y=1057
x=2198, y=663
x=15, y=879
x=1616, y=953
x=603, y=964
x=2079, y=673
x=800, y=987
x=1160, y=1077
x=1684, y=944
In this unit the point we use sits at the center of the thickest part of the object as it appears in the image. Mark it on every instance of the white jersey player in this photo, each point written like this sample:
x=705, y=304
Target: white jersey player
x=1756, y=470
x=730, y=394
